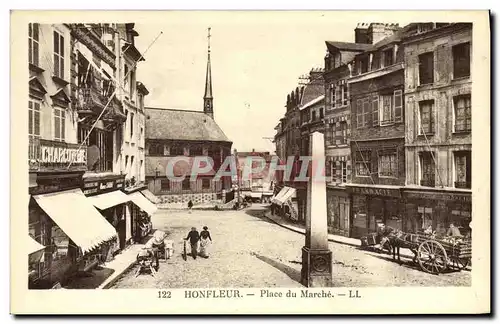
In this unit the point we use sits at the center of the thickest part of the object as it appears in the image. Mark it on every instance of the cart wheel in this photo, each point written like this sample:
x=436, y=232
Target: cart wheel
x=432, y=257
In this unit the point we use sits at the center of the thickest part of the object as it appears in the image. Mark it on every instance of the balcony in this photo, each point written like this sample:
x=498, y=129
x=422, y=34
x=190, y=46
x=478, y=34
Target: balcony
x=90, y=100
x=463, y=184
x=50, y=156
x=427, y=182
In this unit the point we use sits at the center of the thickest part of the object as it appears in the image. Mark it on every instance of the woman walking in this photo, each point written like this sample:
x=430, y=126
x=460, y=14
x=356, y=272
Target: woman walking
x=205, y=241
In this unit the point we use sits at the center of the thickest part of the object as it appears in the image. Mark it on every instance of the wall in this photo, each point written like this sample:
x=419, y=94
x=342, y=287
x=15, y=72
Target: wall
x=338, y=211
x=46, y=62
x=374, y=147
x=444, y=141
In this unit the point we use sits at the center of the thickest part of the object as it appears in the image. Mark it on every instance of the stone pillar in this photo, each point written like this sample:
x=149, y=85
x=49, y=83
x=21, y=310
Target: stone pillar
x=316, y=256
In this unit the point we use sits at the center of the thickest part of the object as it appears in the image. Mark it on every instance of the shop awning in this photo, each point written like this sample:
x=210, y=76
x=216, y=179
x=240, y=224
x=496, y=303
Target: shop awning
x=110, y=199
x=148, y=194
x=77, y=217
x=34, y=246
x=287, y=195
x=143, y=203
x=277, y=199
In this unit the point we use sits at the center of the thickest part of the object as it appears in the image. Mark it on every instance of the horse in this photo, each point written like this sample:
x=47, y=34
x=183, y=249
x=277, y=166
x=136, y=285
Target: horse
x=394, y=242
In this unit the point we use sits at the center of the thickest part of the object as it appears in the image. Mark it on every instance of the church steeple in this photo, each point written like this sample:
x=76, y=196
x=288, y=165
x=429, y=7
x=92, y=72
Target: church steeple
x=208, y=105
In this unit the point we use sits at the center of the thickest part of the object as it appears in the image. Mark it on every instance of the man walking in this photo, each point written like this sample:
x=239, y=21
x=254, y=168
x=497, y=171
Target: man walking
x=193, y=238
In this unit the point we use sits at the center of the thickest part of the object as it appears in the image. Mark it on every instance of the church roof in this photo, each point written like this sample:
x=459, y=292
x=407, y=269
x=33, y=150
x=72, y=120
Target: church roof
x=185, y=125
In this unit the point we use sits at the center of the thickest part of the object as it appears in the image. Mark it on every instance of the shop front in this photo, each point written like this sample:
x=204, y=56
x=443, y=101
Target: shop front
x=138, y=215
x=437, y=208
x=78, y=236
x=373, y=205
x=338, y=209
x=54, y=167
x=105, y=194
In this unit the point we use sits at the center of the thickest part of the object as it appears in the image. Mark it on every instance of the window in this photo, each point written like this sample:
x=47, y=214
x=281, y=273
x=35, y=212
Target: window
x=33, y=44
x=426, y=68
x=387, y=116
x=462, y=111
x=388, y=57
x=165, y=184
x=126, y=162
x=375, y=111
x=321, y=113
x=427, y=169
x=363, y=112
x=426, y=117
x=131, y=125
x=58, y=55
x=463, y=169
x=125, y=76
x=59, y=123
x=345, y=94
x=363, y=64
x=343, y=170
x=376, y=61
x=333, y=171
x=314, y=115
x=388, y=164
x=363, y=163
x=155, y=149
x=205, y=183
x=33, y=118
x=83, y=137
x=424, y=218
x=196, y=151
x=186, y=183
x=132, y=163
x=176, y=150
x=343, y=132
x=461, y=60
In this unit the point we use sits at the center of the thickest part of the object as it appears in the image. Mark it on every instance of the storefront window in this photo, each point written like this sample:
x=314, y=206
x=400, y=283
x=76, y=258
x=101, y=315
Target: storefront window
x=60, y=243
x=424, y=219
x=462, y=219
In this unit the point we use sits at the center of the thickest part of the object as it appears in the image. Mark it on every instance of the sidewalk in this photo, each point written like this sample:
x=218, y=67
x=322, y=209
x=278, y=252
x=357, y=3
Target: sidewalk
x=121, y=263
x=300, y=228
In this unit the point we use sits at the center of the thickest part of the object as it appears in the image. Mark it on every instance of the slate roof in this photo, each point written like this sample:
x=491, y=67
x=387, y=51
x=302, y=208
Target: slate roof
x=313, y=102
x=187, y=125
x=311, y=92
x=344, y=46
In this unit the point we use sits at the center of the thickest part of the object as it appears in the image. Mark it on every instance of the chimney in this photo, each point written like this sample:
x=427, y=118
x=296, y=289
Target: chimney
x=378, y=31
x=361, y=33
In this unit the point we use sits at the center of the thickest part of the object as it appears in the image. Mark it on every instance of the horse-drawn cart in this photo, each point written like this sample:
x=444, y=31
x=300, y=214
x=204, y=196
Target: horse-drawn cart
x=433, y=254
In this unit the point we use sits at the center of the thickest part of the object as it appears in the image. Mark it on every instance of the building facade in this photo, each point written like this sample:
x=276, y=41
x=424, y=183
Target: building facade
x=378, y=134
x=338, y=131
x=75, y=127
x=438, y=126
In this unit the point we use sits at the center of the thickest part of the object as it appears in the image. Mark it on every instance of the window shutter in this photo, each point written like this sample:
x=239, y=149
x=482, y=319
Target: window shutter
x=398, y=106
x=366, y=110
x=359, y=113
x=375, y=111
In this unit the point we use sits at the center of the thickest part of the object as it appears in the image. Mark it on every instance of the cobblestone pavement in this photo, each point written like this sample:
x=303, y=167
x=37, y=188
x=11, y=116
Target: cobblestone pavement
x=251, y=251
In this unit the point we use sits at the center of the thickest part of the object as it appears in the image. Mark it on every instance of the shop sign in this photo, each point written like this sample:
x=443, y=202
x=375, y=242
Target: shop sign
x=51, y=155
x=376, y=191
x=107, y=185
x=439, y=196
x=95, y=187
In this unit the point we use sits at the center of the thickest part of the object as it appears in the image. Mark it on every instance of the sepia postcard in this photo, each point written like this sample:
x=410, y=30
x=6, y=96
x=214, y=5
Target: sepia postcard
x=250, y=162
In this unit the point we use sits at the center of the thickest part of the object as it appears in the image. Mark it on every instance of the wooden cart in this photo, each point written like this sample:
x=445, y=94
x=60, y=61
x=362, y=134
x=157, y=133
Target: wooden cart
x=436, y=255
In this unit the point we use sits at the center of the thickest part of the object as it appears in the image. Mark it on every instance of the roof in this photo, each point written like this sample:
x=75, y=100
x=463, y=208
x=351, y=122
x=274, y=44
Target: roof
x=357, y=47
x=187, y=125
x=311, y=92
x=394, y=38
x=313, y=102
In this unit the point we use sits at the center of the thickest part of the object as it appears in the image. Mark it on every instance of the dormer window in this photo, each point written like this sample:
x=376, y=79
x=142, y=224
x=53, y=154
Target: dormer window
x=363, y=64
x=388, y=57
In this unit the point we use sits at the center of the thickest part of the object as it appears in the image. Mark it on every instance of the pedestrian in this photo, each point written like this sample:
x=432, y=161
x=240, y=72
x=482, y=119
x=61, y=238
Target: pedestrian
x=453, y=231
x=190, y=205
x=205, y=241
x=193, y=237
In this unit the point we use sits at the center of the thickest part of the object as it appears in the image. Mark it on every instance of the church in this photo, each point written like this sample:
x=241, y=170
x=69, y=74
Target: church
x=174, y=133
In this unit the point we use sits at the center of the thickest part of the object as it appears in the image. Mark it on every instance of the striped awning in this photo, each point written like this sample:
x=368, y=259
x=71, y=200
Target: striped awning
x=284, y=194
x=77, y=217
x=143, y=203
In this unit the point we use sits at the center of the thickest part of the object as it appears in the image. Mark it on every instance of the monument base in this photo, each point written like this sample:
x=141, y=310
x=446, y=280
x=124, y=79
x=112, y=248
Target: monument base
x=316, y=268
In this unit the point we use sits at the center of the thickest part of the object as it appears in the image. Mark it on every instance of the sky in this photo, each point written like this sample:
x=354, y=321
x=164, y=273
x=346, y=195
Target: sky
x=257, y=59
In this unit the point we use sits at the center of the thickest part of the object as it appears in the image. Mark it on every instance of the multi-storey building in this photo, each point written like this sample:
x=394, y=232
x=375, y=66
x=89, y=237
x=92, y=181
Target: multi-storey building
x=438, y=125
x=75, y=121
x=378, y=133
x=338, y=129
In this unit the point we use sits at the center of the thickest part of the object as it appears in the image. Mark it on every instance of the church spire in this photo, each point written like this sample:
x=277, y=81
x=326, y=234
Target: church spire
x=208, y=98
